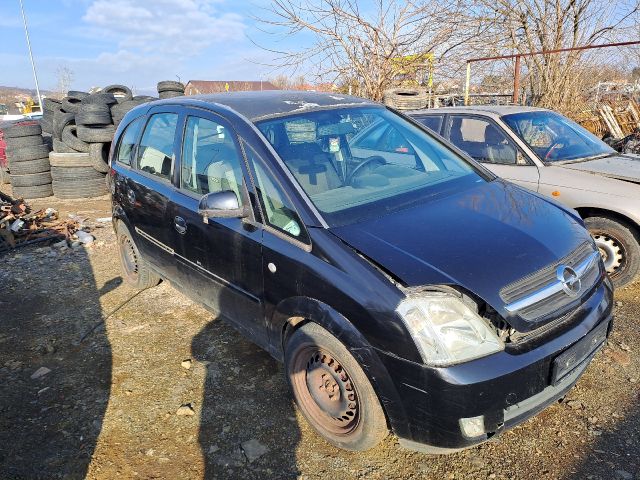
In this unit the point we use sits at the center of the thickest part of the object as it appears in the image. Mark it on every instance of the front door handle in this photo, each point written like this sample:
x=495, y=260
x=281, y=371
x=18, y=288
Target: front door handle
x=180, y=225
x=131, y=196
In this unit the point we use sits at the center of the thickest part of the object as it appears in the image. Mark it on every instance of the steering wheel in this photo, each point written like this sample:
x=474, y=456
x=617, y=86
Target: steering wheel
x=551, y=149
x=359, y=168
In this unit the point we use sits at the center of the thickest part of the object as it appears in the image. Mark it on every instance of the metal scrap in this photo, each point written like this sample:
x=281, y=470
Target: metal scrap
x=20, y=226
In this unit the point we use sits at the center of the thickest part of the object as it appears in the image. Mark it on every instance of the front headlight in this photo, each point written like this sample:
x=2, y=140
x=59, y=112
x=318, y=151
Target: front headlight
x=447, y=331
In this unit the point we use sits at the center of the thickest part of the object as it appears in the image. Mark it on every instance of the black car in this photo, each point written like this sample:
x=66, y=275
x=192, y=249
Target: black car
x=404, y=286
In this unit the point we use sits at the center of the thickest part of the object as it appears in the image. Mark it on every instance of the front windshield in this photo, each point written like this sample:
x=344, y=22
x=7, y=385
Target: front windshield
x=357, y=162
x=555, y=138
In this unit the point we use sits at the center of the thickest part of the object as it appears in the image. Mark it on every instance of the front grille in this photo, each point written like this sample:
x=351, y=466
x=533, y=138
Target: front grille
x=555, y=302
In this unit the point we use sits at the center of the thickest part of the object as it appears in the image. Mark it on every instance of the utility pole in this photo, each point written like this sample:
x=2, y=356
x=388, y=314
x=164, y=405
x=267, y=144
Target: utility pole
x=33, y=65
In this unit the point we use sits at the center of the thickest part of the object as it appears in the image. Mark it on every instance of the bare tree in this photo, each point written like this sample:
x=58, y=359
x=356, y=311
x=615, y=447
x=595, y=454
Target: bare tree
x=65, y=79
x=522, y=26
x=369, y=44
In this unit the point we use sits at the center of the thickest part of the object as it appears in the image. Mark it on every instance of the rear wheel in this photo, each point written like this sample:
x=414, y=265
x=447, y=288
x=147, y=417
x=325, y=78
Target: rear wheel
x=136, y=270
x=618, y=246
x=332, y=391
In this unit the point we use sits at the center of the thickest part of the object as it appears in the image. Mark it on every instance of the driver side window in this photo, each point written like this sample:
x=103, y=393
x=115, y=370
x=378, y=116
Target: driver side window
x=483, y=140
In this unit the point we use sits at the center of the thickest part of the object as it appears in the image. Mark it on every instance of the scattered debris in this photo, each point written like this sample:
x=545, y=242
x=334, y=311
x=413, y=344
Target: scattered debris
x=253, y=449
x=41, y=372
x=20, y=226
x=186, y=363
x=185, y=410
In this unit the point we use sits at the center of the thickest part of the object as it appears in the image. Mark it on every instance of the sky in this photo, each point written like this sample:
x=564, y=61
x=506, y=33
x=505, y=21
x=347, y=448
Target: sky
x=136, y=42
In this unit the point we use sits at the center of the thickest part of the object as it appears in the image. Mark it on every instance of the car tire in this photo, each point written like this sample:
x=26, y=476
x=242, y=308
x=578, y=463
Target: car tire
x=346, y=410
x=22, y=131
x=32, y=152
x=121, y=93
x=60, y=120
x=79, y=188
x=94, y=114
x=619, y=246
x=135, y=269
x=74, y=159
x=30, y=179
x=20, y=142
x=170, y=94
x=101, y=98
x=170, y=86
x=99, y=153
x=96, y=135
x=74, y=174
x=60, y=147
x=40, y=191
x=30, y=166
x=71, y=140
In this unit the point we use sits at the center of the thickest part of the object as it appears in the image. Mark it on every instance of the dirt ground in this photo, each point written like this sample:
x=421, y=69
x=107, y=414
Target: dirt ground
x=108, y=406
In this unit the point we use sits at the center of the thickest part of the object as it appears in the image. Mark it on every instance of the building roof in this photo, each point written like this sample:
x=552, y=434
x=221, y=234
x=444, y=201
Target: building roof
x=198, y=87
x=259, y=105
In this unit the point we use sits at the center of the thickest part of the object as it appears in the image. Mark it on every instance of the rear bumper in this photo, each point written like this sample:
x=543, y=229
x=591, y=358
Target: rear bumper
x=503, y=389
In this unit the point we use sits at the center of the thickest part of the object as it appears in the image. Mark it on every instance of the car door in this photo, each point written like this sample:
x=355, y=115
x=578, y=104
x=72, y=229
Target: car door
x=149, y=186
x=219, y=260
x=485, y=141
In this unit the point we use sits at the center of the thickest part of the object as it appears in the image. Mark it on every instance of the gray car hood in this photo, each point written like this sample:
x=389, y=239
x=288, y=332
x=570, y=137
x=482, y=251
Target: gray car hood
x=622, y=167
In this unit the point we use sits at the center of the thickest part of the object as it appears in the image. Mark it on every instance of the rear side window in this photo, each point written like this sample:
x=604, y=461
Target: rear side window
x=128, y=141
x=276, y=206
x=156, y=155
x=432, y=122
x=482, y=140
x=210, y=159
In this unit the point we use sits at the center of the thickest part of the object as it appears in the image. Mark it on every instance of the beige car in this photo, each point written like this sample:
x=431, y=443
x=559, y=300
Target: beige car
x=550, y=154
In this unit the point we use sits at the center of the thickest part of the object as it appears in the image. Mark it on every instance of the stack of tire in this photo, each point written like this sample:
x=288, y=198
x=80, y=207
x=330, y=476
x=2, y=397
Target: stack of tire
x=406, y=98
x=170, y=89
x=83, y=128
x=28, y=160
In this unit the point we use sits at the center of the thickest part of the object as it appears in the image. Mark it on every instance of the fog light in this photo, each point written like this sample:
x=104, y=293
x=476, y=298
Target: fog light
x=472, y=427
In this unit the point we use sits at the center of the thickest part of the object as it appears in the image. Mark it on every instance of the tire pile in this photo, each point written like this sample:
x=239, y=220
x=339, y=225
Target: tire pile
x=82, y=126
x=170, y=89
x=28, y=160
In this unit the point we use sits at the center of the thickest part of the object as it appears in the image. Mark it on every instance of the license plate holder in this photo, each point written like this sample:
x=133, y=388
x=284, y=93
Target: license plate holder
x=576, y=354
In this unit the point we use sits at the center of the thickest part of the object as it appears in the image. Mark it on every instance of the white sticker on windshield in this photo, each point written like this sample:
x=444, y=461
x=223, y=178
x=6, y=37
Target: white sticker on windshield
x=334, y=145
x=292, y=227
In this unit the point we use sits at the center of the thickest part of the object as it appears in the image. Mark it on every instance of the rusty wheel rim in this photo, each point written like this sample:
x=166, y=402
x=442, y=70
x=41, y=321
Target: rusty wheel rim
x=129, y=258
x=324, y=390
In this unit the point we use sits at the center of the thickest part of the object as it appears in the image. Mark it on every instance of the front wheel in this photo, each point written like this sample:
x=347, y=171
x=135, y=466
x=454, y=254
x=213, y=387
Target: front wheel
x=332, y=391
x=618, y=246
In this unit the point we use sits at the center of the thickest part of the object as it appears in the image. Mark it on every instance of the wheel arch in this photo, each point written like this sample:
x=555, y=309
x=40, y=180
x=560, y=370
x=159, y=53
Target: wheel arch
x=585, y=212
x=294, y=312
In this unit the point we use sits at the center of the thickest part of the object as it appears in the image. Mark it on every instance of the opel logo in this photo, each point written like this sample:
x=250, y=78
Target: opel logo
x=569, y=280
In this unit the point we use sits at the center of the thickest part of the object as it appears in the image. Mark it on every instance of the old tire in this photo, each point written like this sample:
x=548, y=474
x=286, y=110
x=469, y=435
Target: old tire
x=332, y=391
x=60, y=120
x=96, y=135
x=74, y=174
x=40, y=191
x=619, y=246
x=71, y=140
x=170, y=86
x=15, y=131
x=32, y=152
x=31, y=179
x=94, y=114
x=80, y=188
x=101, y=98
x=60, y=147
x=30, y=166
x=99, y=153
x=170, y=94
x=19, y=142
x=406, y=98
x=75, y=159
x=120, y=92
x=135, y=269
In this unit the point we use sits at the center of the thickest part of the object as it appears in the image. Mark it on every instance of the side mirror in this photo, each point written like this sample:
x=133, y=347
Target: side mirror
x=221, y=205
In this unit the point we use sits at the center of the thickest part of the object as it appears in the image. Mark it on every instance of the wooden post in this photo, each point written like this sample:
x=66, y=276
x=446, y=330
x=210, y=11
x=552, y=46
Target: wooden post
x=466, y=86
x=516, y=81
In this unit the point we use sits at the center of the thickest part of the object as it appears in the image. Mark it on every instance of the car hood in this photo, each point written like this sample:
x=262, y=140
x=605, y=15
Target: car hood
x=481, y=239
x=621, y=167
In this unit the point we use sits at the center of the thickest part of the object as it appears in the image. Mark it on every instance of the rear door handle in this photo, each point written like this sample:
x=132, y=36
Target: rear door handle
x=180, y=225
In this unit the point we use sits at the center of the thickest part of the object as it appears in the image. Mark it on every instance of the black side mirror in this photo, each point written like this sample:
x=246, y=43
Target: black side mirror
x=222, y=205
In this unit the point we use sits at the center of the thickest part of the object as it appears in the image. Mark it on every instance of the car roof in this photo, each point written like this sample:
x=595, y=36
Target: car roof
x=272, y=103
x=497, y=110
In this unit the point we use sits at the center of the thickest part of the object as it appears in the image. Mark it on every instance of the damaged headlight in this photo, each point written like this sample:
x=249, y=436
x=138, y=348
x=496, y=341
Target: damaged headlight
x=446, y=330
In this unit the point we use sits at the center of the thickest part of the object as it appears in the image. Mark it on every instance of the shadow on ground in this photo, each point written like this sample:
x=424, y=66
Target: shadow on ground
x=54, y=388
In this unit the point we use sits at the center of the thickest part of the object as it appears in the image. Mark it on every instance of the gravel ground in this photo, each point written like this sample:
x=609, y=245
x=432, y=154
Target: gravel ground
x=151, y=386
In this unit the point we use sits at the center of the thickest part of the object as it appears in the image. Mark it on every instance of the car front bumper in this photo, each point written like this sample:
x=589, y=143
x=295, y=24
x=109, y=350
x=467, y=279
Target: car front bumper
x=499, y=391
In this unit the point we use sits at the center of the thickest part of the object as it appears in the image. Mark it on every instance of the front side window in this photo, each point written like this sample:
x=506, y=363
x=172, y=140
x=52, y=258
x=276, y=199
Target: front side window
x=278, y=210
x=210, y=159
x=362, y=161
x=555, y=138
x=155, y=155
x=482, y=140
x=128, y=141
